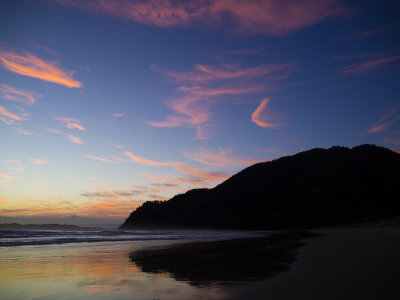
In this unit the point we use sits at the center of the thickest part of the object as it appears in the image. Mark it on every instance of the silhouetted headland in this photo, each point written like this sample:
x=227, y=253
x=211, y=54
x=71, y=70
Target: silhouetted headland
x=319, y=187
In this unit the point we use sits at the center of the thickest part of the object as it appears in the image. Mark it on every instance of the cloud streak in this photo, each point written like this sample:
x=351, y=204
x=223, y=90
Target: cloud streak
x=389, y=117
x=33, y=66
x=192, y=109
x=194, y=171
x=22, y=96
x=206, y=73
x=35, y=161
x=8, y=117
x=147, y=161
x=100, y=159
x=71, y=123
x=259, y=116
x=74, y=139
x=245, y=17
x=363, y=67
x=188, y=181
x=223, y=158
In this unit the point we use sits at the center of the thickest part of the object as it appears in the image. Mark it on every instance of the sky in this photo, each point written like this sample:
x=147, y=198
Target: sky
x=107, y=104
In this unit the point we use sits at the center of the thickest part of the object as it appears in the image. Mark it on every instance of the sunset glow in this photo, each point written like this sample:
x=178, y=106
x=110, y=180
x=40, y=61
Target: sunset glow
x=107, y=104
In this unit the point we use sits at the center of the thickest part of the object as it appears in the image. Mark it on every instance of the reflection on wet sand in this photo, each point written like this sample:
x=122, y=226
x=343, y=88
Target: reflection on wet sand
x=160, y=270
x=82, y=271
x=223, y=262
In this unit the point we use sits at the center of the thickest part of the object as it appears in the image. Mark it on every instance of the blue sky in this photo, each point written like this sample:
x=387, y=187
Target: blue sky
x=106, y=104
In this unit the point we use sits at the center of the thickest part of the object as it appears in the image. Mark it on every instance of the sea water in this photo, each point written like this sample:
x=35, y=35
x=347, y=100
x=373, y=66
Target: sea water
x=51, y=264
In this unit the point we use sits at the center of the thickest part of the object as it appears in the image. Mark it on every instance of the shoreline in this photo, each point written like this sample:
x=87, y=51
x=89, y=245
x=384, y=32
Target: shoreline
x=341, y=263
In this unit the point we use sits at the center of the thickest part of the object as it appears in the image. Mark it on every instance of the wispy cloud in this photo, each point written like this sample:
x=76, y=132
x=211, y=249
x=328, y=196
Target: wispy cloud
x=56, y=131
x=8, y=117
x=35, y=161
x=110, y=194
x=16, y=169
x=147, y=161
x=33, y=66
x=106, y=207
x=71, y=123
x=101, y=159
x=25, y=132
x=243, y=16
x=74, y=139
x=369, y=65
x=6, y=176
x=13, y=94
x=388, y=117
x=192, y=109
x=207, y=73
x=223, y=158
x=188, y=181
x=363, y=34
x=158, y=197
x=259, y=116
x=117, y=115
x=196, y=171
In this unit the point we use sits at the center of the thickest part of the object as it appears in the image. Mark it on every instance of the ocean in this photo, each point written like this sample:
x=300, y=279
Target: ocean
x=48, y=237
x=116, y=264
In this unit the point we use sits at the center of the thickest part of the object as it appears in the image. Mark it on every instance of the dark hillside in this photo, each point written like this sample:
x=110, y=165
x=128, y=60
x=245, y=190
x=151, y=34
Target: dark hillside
x=314, y=188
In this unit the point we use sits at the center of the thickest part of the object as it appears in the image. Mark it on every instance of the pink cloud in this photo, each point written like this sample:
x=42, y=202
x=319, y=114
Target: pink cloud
x=35, y=161
x=223, y=158
x=215, y=92
x=100, y=159
x=207, y=73
x=148, y=162
x=32, y=66
x=392, y=140
x=259, y=116
x=54, y=131
x=110, y=194
x=366, y=66
x=389, y=117
x=75, y=139
x=189, y=181
x=9, y=118
x=377, y=128
x=194, y=171
x=13, y=94
x=193, y=109
x=5, y=176
x=24, y=132
x=244, y=16
x=71, y=123
x=117, y=115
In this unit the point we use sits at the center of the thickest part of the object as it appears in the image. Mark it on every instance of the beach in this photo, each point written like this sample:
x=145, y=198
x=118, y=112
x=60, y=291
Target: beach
x=346, y=263
x=360, y=263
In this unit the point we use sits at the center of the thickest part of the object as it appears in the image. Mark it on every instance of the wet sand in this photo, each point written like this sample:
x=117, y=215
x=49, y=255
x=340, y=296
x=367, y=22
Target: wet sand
x=224, y=262
x=342, y=264
x=321, y=264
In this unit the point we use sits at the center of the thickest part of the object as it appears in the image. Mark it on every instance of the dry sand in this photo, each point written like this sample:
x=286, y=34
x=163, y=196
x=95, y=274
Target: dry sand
x=361, y=263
